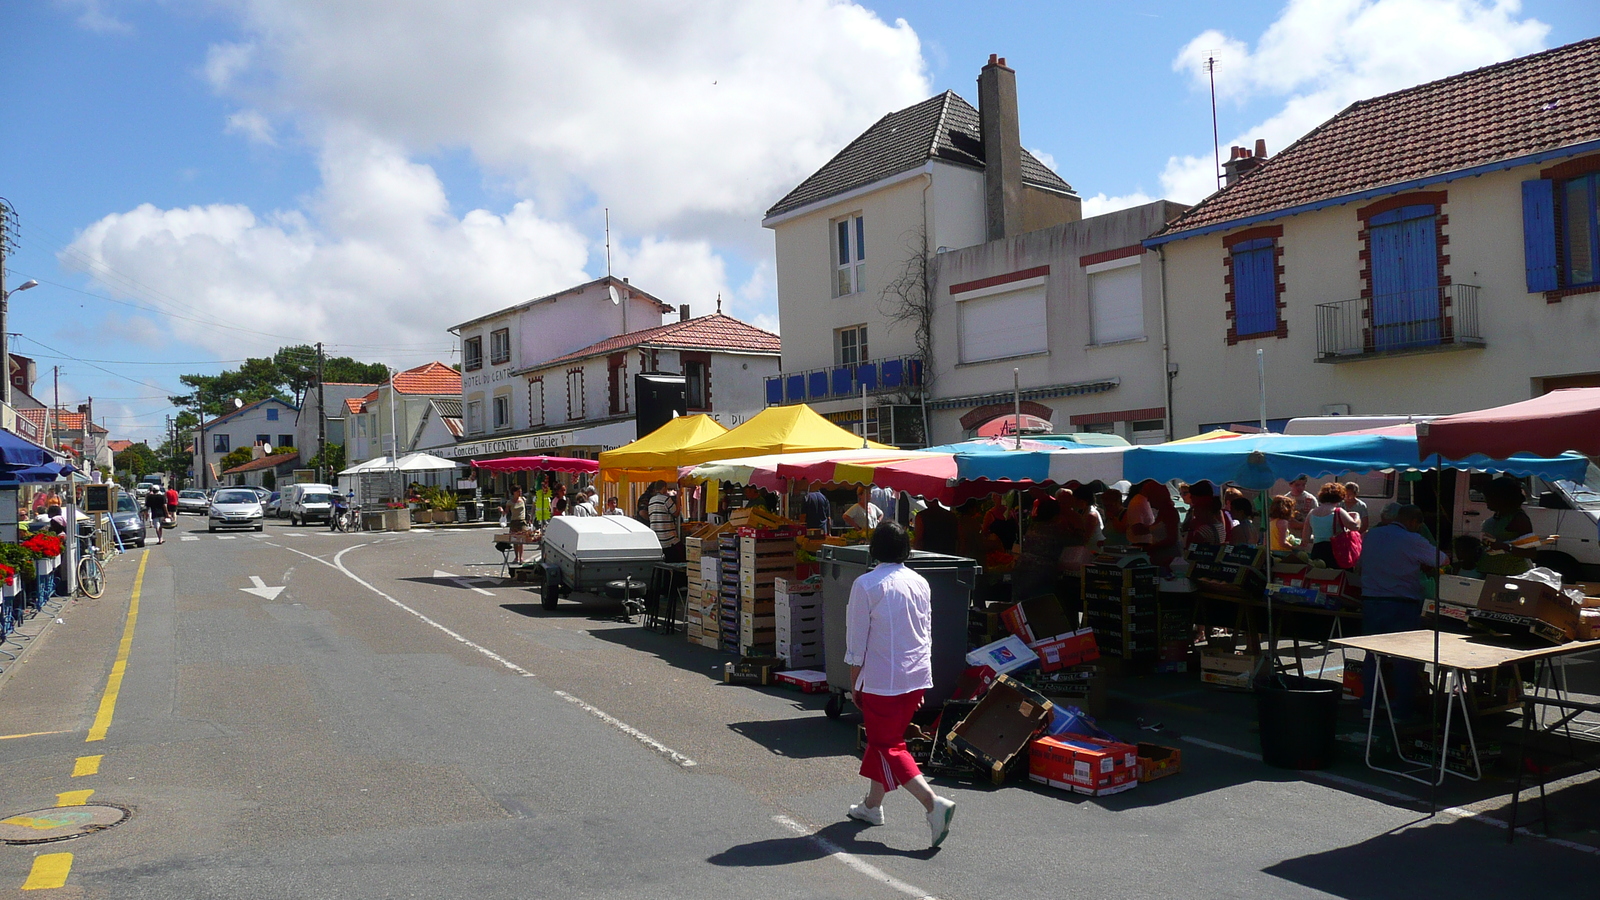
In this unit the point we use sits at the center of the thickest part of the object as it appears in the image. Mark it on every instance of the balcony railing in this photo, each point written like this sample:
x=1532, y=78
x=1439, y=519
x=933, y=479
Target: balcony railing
x=1442, y=318
x=878, y=376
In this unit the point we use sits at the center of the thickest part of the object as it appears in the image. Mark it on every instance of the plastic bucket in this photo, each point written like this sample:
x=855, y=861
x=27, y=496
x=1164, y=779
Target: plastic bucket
x=1298, y=719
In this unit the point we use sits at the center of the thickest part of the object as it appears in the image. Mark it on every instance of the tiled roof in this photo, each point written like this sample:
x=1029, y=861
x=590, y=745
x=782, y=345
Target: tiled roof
x=265, y=462
x=1508, y=110
x=433, y=378
x=355, y=404
x=944, y=128
x=118, y=446
x=713, y=332
x=65, y=421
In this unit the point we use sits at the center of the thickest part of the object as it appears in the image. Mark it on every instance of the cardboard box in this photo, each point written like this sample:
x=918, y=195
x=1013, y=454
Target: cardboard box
x=1156, y=761
x=995, y=735
x=1038, y=619
x=1531, y=599
x=1229, y=668
x=1512, y=624
x=1449, y=610
x=1333, y=582
x=1071, y=649
x=942, y=760
x=1009, y=654
x=1084, y=765
x=809, y=681
x=1460, y=590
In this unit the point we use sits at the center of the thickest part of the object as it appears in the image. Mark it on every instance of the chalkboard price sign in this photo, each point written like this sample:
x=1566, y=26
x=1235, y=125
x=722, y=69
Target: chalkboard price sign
x=97, y=498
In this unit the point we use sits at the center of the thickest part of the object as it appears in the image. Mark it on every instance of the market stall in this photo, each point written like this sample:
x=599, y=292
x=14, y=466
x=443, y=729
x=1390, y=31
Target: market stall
x=657, y=455
x=779, y=429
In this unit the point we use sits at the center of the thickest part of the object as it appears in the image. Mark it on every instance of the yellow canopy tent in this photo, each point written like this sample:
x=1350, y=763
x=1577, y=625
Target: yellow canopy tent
x=778, y=429
x=655, y=457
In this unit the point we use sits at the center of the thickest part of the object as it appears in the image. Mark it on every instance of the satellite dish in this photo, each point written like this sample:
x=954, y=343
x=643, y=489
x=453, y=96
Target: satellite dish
x=237, y=403
x=266, y=449
x=616, y=298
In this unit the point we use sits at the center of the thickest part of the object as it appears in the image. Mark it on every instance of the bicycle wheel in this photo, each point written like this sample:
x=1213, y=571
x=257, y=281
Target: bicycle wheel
x=91, y=578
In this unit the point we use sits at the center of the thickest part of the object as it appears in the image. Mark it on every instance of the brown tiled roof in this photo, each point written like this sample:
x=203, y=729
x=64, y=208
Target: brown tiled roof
x=65, y=421
x=944, y=127
x=118, y=446
x=433, y=378
x=265, y=462
x=1505, y=111
x=354, y=404
x=713, y=332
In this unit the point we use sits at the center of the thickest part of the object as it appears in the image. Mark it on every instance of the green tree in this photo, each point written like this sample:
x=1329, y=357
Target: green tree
x=139, y=459
x=235, y=458
x=288, y=375
x=330, y=460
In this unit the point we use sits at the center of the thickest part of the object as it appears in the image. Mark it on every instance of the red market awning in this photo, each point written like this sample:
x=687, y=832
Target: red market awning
x=538, y=464
x=1000, y=426
x=1567, y=419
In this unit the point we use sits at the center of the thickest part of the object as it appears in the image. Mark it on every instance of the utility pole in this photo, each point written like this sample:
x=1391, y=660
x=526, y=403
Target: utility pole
x=88, y=436
x=322, y=420
x=55, y=407
x=172, y=446
x=7, y=218
x=200, y=407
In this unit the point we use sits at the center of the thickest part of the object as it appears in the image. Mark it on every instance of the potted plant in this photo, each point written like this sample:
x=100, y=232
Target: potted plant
x=444, y=506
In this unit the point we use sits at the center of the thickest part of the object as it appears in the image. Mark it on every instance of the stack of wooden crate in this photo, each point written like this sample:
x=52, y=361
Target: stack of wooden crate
x=728, y=595
x=1120, y=605
x=704, y=605
x=798, y=626
x=765, y=555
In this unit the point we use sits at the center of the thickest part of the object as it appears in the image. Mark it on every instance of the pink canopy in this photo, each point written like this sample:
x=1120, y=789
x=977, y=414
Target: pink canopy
x=1567, y=419
x=538, y=464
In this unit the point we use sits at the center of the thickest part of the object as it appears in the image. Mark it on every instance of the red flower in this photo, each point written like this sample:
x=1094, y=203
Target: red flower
x=8, y=572
x=43, y=545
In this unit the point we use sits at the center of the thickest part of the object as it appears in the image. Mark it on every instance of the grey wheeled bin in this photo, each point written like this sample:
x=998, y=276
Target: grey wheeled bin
x=951, y=578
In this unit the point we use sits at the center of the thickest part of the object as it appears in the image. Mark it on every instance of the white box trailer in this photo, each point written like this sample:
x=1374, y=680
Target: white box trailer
x=583, y=553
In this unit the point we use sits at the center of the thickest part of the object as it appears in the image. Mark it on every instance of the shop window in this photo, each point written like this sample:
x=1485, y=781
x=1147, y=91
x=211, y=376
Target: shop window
x=850, y=346
x=500, y=346
x=849, y=255
x=472, y=353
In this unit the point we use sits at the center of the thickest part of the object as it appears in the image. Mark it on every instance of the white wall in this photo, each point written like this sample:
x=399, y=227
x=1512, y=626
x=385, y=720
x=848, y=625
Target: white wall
x=1527, y=339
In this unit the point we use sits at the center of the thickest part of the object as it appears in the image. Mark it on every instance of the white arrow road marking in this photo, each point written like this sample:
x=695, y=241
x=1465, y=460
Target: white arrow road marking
x=261, y=590
x=462, y=582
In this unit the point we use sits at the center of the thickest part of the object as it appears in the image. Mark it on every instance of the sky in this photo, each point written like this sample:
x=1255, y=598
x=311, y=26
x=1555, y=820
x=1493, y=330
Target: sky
x=197, y=181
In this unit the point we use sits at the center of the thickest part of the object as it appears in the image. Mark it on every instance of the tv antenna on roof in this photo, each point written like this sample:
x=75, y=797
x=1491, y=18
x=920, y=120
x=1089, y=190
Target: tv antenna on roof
x=1216, y=143
x=608, y=217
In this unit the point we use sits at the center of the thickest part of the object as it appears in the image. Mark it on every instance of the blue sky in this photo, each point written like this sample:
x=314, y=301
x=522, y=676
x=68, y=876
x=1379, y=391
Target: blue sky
x=200, y=181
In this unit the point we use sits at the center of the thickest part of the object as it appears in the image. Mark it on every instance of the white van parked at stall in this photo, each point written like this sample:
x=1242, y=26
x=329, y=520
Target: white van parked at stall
x=307, y=503
x=1566, y=509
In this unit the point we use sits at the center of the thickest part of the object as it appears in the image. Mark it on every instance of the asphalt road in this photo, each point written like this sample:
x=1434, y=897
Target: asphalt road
x=375, y=730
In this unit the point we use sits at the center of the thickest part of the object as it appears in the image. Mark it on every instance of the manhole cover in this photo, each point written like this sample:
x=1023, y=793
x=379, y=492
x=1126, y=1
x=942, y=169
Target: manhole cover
x=59, y=823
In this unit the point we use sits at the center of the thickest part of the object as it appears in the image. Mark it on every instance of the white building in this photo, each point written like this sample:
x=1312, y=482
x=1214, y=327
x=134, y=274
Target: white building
x=389, y=418
x=856, y=239
x=264, y=422
x=335, y=394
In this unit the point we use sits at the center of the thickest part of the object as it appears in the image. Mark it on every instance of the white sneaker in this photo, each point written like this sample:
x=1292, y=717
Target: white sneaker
x=939, y=819
x=864, y=813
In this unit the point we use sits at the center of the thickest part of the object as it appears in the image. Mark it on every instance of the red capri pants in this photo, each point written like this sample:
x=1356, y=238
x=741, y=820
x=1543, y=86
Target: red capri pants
x=886, y=760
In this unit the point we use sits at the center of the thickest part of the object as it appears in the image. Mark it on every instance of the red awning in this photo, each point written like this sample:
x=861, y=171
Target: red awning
x=1568, y=419
x=538, y=464
x=1007, y=424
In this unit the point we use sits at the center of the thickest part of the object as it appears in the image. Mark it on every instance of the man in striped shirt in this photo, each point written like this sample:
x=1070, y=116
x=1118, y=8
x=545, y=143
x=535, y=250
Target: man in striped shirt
x=664, y=522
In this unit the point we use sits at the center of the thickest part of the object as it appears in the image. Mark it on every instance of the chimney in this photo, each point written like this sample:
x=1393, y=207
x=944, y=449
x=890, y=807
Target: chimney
x=1002, y=148
x=683, y=312
x=1241, y=161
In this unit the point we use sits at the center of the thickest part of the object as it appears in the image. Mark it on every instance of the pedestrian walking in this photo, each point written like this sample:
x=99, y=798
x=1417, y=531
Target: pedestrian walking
x=155, y=503
x=888, y=645
x=517, y=517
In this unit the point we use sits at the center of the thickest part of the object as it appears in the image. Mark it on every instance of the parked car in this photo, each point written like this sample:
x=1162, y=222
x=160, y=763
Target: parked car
x=274, y=505
x=262, y=493
x=129, y=521
x=308, y=503
x=193, y=501
x=236, y=508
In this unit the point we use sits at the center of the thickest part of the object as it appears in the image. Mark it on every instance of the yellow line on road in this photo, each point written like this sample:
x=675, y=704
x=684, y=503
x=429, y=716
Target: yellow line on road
x=73, y=798
x=11, y=737
x=86, y=765
x=50, y=870
x=108, y=700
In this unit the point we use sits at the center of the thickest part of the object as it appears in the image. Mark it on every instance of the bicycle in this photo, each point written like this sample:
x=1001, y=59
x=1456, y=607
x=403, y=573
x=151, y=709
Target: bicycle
x=347, y=520
x=91, y=570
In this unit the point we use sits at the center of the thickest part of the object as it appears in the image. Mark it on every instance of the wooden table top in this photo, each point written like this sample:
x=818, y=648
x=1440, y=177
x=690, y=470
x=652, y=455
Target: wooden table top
x=1461, y=651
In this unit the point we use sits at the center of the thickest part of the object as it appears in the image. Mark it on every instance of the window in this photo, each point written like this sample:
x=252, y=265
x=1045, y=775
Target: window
x=1580, y=233
x=849, y=255
x=697, y=380
x=616, y=383
x=575, y=408
x=1002, y=321
x=263, y=439
x=272, y=414
x=1147, y=431
x=220, y=443
x=1116, y=300
x=474, y=416
x=500, y=346
x=285, y=440
x=502, y=411
x=472, y=353
x=536, y=401
x=1254, y=265
x=850, y=346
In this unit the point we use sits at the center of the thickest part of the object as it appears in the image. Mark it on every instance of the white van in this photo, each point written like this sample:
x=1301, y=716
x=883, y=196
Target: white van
x=1563, y=508
x=307, y=503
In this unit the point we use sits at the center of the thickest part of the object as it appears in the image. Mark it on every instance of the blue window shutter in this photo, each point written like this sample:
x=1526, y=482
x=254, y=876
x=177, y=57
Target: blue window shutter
x=1539, y=234
x=1255, y=294
x=775, y=391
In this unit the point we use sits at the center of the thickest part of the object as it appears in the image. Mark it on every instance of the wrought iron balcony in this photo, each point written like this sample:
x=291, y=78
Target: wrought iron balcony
x=1425, y=321
x=878, y=376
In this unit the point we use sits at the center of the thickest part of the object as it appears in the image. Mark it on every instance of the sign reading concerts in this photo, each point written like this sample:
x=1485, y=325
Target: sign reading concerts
x=604, y=437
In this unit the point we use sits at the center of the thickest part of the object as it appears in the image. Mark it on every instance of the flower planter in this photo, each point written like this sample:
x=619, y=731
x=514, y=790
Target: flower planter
x=444, y=516
x=423, y=516
x=373, y=521
x=397, y=520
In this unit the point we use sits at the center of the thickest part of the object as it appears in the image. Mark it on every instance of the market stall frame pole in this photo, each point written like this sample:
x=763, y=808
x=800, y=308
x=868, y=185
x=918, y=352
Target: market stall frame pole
x=1016, y=406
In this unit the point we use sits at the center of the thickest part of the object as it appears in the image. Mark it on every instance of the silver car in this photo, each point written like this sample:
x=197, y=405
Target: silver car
x=236, y=508
x=193, y=501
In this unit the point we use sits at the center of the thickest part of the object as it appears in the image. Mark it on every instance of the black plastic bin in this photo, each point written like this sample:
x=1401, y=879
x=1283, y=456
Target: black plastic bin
x=1299, y=719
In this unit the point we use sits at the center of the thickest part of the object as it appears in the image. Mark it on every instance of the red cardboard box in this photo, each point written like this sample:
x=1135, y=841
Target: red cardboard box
x=809, y=681
x=1038, y=619
x=1084, y=765
x=1067, y=650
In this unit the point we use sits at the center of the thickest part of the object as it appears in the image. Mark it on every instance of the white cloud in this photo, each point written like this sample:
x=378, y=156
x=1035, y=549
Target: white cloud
x=1320, y=56
x=1045, y=157
x=1100, y=204
x=253, y=125
x=93, y=16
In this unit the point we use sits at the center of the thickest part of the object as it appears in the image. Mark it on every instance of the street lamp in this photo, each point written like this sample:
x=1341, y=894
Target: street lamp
x=5, y=351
